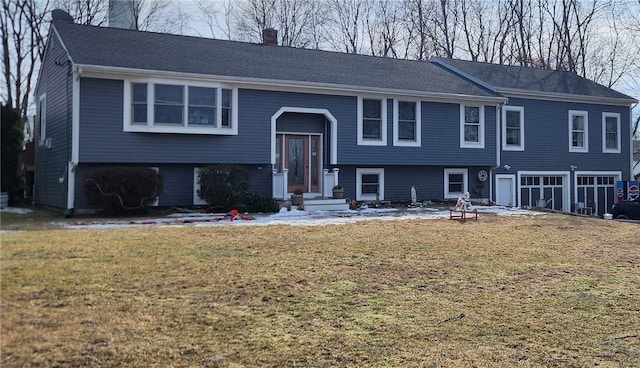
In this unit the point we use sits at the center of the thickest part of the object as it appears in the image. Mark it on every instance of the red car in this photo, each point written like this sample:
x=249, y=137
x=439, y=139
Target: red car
x=628, y=210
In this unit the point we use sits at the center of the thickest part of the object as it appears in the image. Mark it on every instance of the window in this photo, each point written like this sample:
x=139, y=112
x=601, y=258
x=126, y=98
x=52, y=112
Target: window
x=456, y=182
x=166, y=107
x=578, y=131
x=168, y=104
x=610, y=132
x=42, y=117
x=202, y=106
x=406, y=123
x=372, y=121
x=471, y=126
x=369, y=184
x=513, y=128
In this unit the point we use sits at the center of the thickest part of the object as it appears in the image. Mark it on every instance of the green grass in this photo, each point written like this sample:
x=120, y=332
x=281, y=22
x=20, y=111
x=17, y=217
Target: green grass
x=542, y=291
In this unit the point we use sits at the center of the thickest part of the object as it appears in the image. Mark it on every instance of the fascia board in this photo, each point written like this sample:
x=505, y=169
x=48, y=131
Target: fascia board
x=564, y=97
x=288, y=85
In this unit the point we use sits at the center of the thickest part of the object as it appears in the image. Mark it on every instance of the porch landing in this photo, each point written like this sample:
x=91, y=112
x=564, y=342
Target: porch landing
x=325, y=204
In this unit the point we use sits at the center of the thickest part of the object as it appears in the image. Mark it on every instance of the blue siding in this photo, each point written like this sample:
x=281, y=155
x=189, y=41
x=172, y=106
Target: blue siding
x=546, y=128
x=51, y=163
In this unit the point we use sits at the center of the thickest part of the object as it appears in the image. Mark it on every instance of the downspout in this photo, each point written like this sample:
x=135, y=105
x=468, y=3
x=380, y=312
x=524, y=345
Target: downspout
x=498, y=150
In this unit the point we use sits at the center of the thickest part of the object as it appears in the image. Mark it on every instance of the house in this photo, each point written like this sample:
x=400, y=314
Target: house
x=309, y=119
x=564, y=140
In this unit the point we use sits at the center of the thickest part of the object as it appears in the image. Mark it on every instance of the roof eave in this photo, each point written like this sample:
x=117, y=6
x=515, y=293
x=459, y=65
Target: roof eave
x=566, y=97
x=260, y=83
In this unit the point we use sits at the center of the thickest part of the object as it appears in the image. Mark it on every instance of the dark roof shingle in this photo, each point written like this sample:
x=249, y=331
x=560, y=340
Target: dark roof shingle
x=113, y=47
x=501, y=77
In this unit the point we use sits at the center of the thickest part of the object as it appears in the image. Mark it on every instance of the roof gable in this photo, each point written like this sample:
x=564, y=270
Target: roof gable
x=507, y=78
x=129, y=49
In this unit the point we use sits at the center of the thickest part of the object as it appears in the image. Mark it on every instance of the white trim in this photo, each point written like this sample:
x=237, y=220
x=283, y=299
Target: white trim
x=383, y=123
x=511, y=177
x=369, y=171
x=511, y=147
x=287, y=86
x=333, y=149
x=606, y=115
x=157, y=201
x=150, y=127
x=396, y=121
x=75, y=141
x=465, y=182
x=42, y=118
x=585, y=147
x=197, y=200
x=463, y=142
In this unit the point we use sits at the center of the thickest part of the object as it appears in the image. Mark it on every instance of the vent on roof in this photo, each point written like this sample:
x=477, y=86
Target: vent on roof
x=122, y=14
x=270, y=36
x=59, y=14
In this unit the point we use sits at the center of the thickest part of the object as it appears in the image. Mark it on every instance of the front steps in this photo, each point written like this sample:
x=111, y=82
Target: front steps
x=325, y=204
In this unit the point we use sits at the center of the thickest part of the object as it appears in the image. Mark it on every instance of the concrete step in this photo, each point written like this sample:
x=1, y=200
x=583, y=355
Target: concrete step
x=325, y=204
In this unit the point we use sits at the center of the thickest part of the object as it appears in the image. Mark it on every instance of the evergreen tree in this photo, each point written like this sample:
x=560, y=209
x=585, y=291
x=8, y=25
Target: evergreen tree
x=12, y=137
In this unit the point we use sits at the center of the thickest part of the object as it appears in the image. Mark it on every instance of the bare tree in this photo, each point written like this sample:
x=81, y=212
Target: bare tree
x=22, y=25
x=346, y=24
x=217, y=17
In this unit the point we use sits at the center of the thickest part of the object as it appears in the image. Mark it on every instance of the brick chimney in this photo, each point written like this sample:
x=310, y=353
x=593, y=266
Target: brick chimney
x=270, y=36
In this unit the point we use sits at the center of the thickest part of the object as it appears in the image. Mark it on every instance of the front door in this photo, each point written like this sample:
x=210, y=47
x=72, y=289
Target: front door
x=302, y=157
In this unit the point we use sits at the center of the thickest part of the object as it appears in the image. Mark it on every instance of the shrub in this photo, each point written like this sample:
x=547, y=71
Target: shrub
x=123, y=189
x=222, y=186
x=258, y=203
x=226, y=187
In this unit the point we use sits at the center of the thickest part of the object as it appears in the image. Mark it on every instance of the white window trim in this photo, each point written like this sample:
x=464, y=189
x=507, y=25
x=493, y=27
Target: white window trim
x=480, y=143
x=151, y=128
x=606, y=115
x=197, y=200
x=367, y=171
x=383, y=134
x=511, y=147
x=157, y=201
x=396, y=120
x=573, y=113
x=465, y=179
x=42, y=117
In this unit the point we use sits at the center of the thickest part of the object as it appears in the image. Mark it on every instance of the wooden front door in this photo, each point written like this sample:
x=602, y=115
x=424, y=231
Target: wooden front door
x=302, y=157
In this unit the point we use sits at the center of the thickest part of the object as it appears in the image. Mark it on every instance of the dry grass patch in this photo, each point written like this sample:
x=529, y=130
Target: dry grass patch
x=544, y=291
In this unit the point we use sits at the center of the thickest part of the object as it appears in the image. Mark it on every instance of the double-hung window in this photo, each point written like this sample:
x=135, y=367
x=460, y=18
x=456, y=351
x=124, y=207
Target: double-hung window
x=513, y=128
x=610, y=132
x=372, y=121
x=471, y=126
x=406, y=123
x=168, y=107
x=578, y=131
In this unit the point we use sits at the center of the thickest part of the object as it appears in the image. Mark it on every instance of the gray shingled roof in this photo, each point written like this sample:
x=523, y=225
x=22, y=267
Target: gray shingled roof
x=112, y=47
x=503, y=77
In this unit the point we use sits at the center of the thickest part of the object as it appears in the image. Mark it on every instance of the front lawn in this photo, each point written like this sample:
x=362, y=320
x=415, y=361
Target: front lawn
x=529, y=291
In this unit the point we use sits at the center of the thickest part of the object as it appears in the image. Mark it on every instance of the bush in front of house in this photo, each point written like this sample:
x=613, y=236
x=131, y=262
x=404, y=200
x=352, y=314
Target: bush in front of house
x=226, y=187
x=123, y=189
